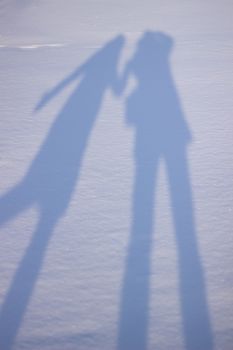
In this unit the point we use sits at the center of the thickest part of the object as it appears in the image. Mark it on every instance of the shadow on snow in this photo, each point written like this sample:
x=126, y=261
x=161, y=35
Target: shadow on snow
x=153, y=109
x=52, y=176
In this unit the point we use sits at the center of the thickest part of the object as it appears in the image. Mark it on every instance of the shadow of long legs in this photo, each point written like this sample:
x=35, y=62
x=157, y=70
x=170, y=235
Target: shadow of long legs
x=18, y=296
x=194, y=305
x=134, y=309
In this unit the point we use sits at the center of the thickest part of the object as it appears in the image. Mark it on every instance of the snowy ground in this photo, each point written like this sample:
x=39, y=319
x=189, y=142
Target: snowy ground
x=116, y=168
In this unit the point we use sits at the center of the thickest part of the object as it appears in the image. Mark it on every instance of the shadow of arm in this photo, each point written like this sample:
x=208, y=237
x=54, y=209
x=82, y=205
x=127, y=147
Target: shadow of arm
x=58, y=88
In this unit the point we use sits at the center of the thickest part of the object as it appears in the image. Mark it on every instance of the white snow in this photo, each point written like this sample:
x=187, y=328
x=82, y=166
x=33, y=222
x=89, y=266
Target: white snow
x=96, y=254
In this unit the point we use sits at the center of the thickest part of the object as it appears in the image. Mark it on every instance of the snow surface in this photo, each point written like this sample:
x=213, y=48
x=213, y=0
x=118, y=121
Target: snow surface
x=116, y=168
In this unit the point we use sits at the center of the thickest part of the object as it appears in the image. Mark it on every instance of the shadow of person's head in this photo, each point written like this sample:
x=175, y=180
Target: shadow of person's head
x=153, y=48
x=158, y=41
x=100, y=71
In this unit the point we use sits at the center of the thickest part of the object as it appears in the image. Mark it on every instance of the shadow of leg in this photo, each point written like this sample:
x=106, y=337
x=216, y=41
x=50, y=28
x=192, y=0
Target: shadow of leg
x=196, y=322
x=21, y=289
x=134, y=309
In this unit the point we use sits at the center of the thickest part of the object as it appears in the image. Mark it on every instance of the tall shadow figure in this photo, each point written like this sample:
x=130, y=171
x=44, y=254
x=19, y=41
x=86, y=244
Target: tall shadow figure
x=52, y=176
x=154, y=110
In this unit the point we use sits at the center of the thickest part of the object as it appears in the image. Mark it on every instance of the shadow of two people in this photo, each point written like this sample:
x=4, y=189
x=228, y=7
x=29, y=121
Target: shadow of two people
x=153, y=109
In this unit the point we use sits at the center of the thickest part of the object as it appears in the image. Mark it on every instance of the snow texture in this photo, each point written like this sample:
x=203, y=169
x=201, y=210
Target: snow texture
x=116, y=167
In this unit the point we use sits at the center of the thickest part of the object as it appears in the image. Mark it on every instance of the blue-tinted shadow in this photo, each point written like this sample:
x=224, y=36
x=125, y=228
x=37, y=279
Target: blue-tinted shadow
x=53, y=174
x=153, y=110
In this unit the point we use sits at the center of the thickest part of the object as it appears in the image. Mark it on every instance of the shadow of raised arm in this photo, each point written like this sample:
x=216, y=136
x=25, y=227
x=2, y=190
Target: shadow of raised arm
x=59, y=87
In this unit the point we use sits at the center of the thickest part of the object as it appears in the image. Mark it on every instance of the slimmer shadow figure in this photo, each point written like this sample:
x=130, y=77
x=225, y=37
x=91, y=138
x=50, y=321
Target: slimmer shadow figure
x=153, y=110
x=52, y=176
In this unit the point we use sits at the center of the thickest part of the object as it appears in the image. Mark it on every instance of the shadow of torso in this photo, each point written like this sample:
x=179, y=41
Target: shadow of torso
x=153, y=107
x=54, y=171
